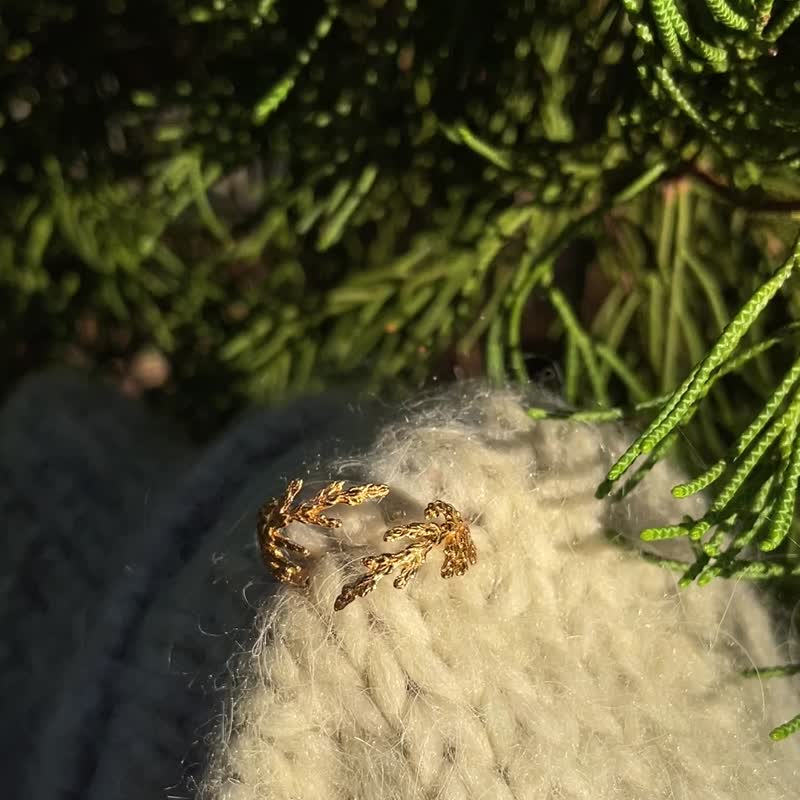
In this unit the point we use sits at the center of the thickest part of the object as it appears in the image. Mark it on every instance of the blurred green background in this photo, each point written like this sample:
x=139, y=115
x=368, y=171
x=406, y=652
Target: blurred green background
x=216, y=203
x=220, y=203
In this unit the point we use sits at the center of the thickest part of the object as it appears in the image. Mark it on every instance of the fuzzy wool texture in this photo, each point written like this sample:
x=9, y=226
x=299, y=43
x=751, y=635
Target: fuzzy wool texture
x=560, y=666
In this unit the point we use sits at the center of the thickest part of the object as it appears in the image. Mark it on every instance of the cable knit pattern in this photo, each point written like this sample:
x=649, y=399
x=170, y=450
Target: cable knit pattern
x=141, y=629
x=560, y=666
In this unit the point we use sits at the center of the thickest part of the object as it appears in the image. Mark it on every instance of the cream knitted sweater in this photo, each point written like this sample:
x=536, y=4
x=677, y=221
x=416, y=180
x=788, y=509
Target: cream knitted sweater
x=559, y=666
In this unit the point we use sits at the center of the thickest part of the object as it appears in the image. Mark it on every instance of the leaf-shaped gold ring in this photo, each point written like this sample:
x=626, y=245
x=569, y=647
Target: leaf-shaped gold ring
x=283, y=557
x=453, y=533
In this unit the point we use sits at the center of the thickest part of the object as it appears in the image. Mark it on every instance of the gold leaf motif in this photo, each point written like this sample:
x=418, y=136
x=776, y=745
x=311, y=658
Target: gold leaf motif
x=453, y=533
x=281, y=555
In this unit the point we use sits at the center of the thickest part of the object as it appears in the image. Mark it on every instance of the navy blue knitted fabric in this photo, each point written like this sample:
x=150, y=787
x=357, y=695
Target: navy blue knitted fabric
x=130, y=578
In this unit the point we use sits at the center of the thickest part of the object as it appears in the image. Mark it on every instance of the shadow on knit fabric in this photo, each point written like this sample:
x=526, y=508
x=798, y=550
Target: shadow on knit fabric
x=131, y=579
x=560, y=666
x=81, y=469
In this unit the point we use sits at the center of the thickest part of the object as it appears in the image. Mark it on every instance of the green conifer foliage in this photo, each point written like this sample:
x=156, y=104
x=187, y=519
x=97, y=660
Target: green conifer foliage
x=282, y=196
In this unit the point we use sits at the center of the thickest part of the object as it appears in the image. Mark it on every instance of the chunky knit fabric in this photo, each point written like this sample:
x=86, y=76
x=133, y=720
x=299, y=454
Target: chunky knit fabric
x=130, y=579
x=148, y=655
x=558, y=667
x=81, y=469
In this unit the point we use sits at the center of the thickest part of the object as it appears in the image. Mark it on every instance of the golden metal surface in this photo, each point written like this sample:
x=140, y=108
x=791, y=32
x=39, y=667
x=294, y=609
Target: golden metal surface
x=453, y=533
x=283, y=557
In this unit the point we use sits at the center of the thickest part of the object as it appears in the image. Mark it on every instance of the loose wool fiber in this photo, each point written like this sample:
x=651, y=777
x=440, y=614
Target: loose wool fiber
x=560, y=666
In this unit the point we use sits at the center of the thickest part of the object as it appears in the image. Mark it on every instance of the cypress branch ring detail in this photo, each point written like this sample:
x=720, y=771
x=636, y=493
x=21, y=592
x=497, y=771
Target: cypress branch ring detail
x=285, y=558
x=453, y=533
